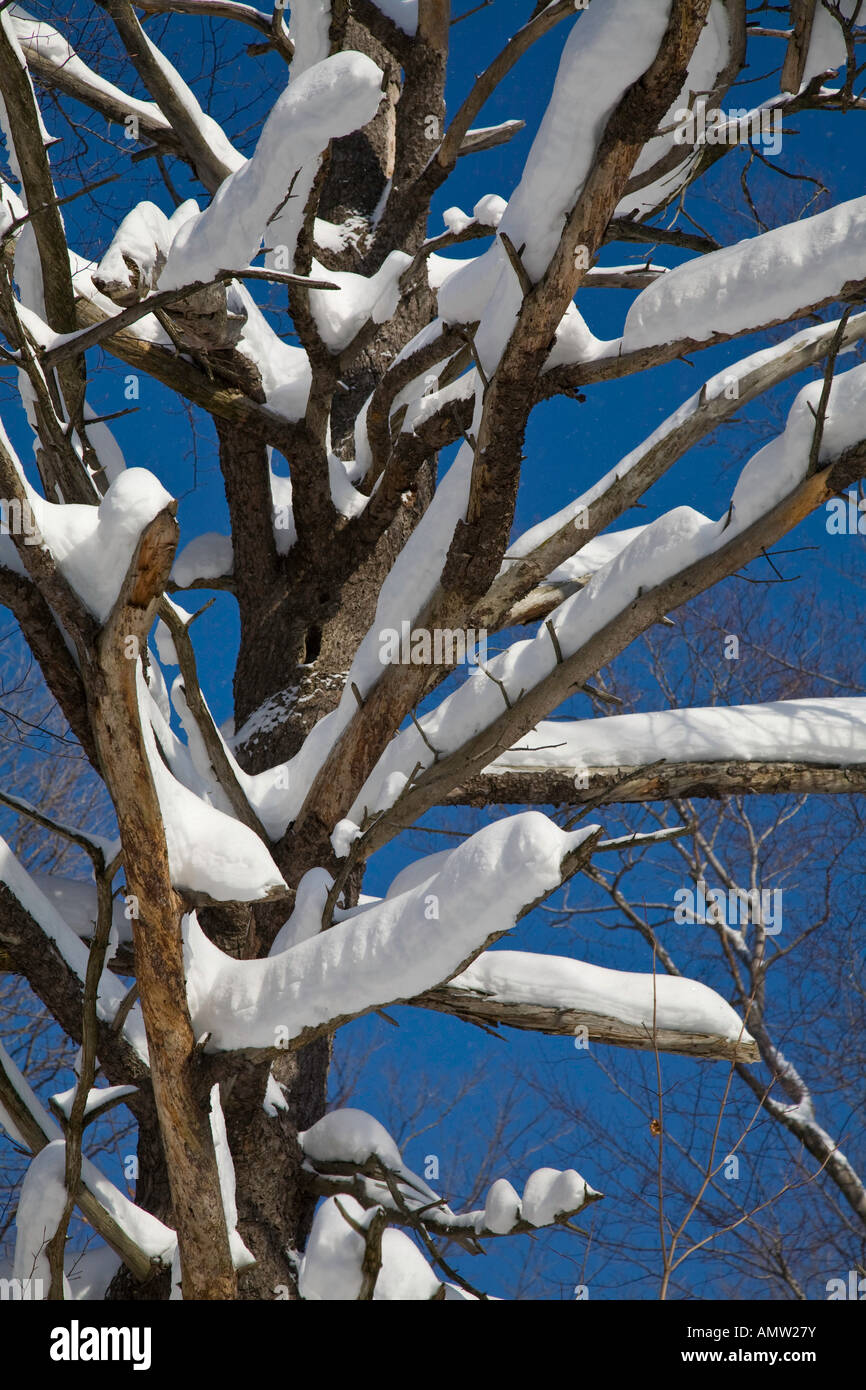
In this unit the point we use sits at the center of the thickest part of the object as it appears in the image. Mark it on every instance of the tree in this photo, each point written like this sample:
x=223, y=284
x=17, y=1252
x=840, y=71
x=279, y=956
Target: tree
x=227, y=937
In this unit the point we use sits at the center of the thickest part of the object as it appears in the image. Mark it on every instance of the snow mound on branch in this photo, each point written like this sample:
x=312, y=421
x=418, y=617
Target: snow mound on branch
x=710, y=57
x=812, y=731
x=331, y=1270
x=111, y=992
x=755, y=282
x=604, y=54
x=405, y=1274
x=242, y=1257
x=210, y=556
x=331, y=99
x=502, y=1208
x=550, y=1193
x=350, y=1136
x=391, y=950
x=132, y=264
x=339, y=315
x=777, y=468
x=93, y=546
x=827, y=41
x=403, y=13
x=75, y=901
x=208, y=851
x=678, y=1004
x=40, y=1207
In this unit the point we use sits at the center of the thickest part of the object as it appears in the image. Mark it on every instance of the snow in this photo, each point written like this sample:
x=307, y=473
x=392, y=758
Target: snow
x=285, y=370
x=660, y=550
x=343, y=836
x=41, y=1201
x=208, y=851
x=275, y=1098
x=91, y=1272
x=310, y=33
x=405, y=1274
x=683, y=1006
x=603, y=55
x=777, y=468
x=111, y=992
x=550, y=1193
x=710, y=56
x=754, y=282
x=827, y=43
x=339, y=315
x=148, y=1233
x=104, y=445
x=331, y=1268
x=209, y=556
x=241, y=1255
x=817, y=731
x=75, y=901
x=306, y=919
x=37, y=35
x=209, y=131
x=403, y=13
x=502, y=1208
x=350, y=1136
x=456, y=220
x=388, y=952
x=143, y=237
x=97, y=1098
x=93, y=546
x=589, y=558
x=489, y=209
x=331, y=99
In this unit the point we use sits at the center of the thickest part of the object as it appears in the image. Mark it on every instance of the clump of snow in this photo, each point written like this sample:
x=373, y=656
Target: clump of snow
x=208, y=851
x=827, y=49
x=111, y=992
x=678, y=1004
x=93, y=546
x=550, y=1193
x=331, y=1268
x=209, y=556
x=405, y=1274
x=389, y=951
x=331, y=99
x=489, y=209
x=755, y=282
x=343, y=836
x=456, y=220
x=817, y=731
x=404, y=13
x=339, y=315
x=502, y=1208
x=350, y=1136
x=603, y=55
x=306, y=919
x=131, y=266
x=241, y=1255
x=40, y=1207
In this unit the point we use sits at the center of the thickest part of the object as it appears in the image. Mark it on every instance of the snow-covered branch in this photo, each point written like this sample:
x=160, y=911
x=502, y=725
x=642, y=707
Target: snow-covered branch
x=427, y=930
